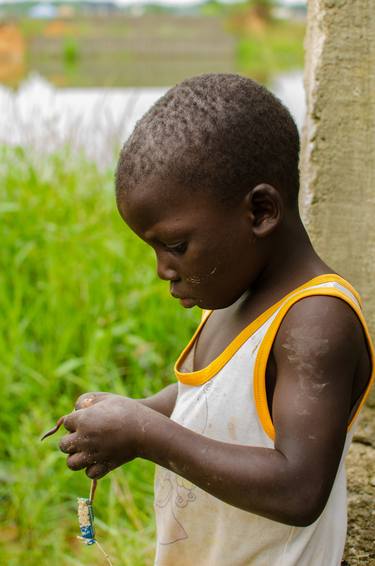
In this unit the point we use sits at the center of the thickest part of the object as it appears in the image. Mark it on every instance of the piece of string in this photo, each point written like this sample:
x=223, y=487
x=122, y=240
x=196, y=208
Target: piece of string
x=104, y=553
x=94, y=483
x=100, y=548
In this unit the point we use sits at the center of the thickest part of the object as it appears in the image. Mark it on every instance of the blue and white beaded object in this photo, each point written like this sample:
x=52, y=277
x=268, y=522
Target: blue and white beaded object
x=86, y=520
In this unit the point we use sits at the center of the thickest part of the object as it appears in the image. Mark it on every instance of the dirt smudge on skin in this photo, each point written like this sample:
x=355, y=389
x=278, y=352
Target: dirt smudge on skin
x=198, y=279
x=304, y=343
x=194, y=279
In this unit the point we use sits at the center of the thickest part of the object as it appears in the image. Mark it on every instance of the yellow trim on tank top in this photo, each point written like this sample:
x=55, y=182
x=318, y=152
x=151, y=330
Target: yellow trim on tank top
x=203, y=375
x=260, y=392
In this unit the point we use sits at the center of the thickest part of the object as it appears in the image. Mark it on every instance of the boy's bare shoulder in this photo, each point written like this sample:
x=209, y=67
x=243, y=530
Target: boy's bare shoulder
x=321, y=338
x=320, y=325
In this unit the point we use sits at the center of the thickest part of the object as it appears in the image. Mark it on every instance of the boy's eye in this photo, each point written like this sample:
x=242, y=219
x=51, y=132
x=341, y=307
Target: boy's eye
x=178, y=248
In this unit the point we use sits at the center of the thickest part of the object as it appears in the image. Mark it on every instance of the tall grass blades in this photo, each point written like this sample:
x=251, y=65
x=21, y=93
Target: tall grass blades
x=81, y=309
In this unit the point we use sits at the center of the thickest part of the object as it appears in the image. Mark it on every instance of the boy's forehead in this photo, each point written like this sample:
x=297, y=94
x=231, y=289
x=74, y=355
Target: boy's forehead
x=159, y=200
x=152, y=197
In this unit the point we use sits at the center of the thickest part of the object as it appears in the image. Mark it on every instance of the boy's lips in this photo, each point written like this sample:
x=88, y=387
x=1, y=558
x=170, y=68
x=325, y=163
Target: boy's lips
x=177, y=296
x=172, y=291
x=185, y=301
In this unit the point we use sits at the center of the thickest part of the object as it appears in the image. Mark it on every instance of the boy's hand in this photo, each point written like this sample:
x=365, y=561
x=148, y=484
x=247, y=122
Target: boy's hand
x=89, y=399
x=162, y=402
x=104, y=435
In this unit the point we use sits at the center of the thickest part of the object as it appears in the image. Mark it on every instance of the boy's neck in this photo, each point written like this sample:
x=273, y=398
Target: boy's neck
x=291, y=262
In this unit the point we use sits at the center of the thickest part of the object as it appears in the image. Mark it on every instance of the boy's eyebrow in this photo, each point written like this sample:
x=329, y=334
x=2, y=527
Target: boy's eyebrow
x=167, y=240
x=165, y=232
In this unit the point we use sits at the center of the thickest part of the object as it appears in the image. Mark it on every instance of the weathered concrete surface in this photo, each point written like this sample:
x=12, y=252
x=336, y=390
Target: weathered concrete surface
x=338, y=156
x=360, y=465
x=338, y=200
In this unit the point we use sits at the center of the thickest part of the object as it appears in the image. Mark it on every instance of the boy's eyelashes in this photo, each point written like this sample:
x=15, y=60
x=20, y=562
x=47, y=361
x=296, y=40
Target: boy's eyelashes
x=178, y=248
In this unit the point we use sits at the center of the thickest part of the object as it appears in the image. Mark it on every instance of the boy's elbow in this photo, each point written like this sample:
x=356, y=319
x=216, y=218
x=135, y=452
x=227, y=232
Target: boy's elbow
x=305, y=508
x=303, y=518
x=298, y=509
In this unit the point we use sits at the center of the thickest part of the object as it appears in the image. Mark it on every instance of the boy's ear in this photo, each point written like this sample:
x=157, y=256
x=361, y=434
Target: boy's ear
x=266, y=207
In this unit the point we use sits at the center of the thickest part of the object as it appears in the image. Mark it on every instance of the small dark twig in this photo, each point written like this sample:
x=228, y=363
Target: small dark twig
x=54, y=429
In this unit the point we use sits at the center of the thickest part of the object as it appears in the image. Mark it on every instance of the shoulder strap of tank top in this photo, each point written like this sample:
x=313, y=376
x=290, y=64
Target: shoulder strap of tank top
x=328, y=285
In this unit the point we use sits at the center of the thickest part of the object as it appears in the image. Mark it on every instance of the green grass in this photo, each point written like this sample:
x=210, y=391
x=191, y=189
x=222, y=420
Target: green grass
x=276, y=48
x=81, y=309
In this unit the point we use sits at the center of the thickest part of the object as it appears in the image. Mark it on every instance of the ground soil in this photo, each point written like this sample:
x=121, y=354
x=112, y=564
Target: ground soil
x=360, y=544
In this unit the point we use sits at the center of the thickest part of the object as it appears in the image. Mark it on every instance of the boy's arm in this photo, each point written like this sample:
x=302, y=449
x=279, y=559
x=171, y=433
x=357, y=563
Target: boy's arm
x=163, y=401
x=316, y=353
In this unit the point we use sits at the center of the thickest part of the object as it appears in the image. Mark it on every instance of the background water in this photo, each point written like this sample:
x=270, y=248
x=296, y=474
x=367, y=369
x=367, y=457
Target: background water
x=43, y=117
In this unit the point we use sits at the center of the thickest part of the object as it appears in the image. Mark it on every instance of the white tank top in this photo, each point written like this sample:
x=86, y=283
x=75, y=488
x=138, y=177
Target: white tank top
x=227, y=401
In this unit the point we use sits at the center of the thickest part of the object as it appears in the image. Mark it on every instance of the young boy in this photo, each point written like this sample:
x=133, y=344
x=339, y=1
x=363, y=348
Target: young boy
x=250, y=444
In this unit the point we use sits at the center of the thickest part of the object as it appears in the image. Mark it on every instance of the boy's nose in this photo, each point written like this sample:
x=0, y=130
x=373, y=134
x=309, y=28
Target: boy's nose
x=164, y=268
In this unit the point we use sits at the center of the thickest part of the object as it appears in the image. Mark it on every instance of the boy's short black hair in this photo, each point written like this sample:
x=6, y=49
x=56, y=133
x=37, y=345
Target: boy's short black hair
x=218, y=132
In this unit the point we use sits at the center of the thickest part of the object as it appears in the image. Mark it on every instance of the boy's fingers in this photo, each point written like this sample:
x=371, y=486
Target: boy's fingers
x=80, y=460
x=68, y=443
x=71, y=421
x=97, y=471
x=88, y=399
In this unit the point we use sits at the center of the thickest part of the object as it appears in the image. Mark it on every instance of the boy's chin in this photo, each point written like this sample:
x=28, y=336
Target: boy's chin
x=210, y=305
x=188, y=303
x=220, y=303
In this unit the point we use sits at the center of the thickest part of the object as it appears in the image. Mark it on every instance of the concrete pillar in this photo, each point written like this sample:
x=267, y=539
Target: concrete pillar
x=338, y=145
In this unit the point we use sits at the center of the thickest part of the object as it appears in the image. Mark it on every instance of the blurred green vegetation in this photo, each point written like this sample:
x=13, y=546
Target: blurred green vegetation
x=274, y=47
x=70, y=52
x=161, y=49
x=82, y=310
